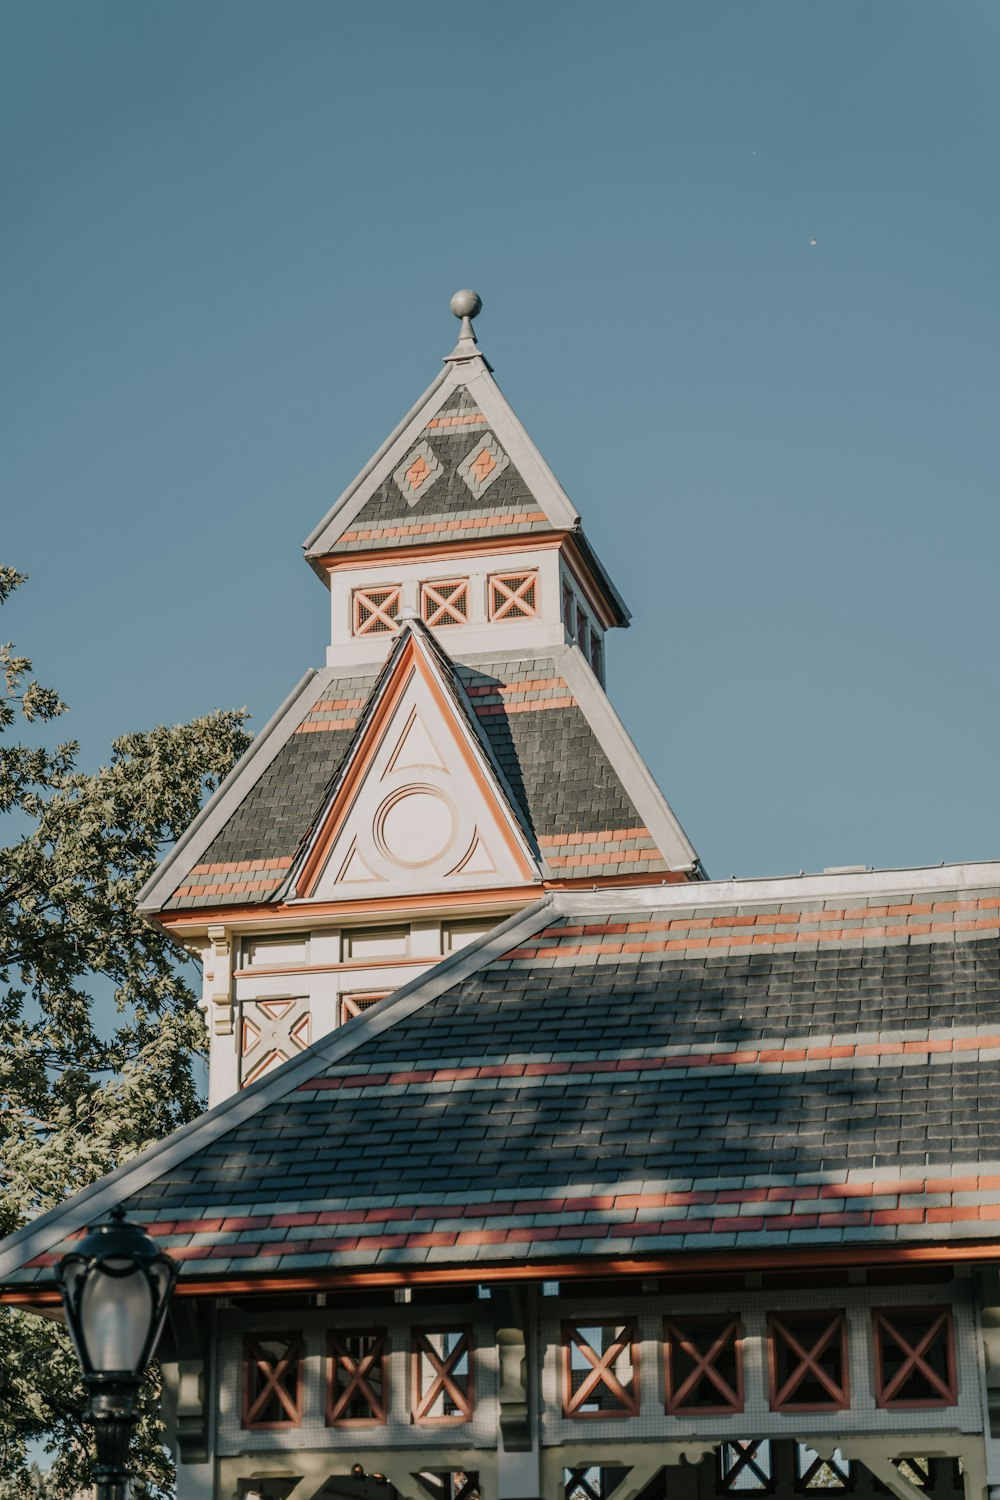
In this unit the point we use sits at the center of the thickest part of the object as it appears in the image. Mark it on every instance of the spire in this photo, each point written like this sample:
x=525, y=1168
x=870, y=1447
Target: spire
x=466, y=305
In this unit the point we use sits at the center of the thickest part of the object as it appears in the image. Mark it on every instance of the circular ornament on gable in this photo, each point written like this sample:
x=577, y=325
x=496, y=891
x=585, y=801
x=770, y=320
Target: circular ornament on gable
x=415, y=826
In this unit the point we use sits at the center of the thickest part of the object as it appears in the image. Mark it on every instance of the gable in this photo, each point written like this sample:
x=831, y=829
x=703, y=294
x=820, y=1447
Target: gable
x=419, y=807
x=460, y=467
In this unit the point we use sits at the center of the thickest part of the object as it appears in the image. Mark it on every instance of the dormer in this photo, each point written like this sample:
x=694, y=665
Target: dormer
x=459, y=520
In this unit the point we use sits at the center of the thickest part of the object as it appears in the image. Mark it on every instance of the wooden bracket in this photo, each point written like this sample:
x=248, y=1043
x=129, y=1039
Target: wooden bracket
x=221, y=1020
x=512, y=1354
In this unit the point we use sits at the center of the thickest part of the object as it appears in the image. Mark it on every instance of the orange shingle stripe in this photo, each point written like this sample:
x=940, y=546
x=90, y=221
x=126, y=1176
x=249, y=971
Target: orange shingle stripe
x=607, y=857
x=459, y=419
x=594, y=836
x=331, y=705
x=313, y=726
x=532, y=685
x=238, y=888
x=484, y=711
x=816, y=1205
x=461, y=523
x=241, y=866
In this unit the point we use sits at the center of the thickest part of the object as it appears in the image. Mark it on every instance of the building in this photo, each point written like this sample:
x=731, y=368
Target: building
x=540, y=1165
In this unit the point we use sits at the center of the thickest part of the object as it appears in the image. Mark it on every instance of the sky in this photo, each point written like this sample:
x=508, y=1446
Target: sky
x=739, y=267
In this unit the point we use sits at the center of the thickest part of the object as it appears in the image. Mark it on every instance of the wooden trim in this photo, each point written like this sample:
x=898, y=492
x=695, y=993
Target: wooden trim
x=602, y=1371
x=678, y=1330
x=515, y=592
x=783, y=1326
x=254, y=1362
x=444, y=1380
x=259, y=971
x=525, y=541
x=939, y=1320
x=357, y=1372
x=776, y=1261
x=746, y=1458
x=411, y=664
x=377, y=613
x=606, y=611
x=393, y=907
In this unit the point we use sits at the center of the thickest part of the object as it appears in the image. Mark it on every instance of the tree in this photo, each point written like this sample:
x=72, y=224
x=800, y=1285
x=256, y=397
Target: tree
x=80, y=1097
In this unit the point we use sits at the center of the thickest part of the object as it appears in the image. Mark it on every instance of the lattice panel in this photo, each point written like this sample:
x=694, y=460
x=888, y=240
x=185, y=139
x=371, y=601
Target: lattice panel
x=357, y=1394
x=354, y=1005
x=914, y=1356
x=513, y=596
x=808, y=1361
x=703, y=1366
x=272, y=1381
x=375, y=609
x=600, y=1370
x=445, y=602
x=442, y=1375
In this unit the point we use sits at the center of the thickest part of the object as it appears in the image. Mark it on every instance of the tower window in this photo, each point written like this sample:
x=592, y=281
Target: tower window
x=375, y=609
x=514, y=596
x=445, y=602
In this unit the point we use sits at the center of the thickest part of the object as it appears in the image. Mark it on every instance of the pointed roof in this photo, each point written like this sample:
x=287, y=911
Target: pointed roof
x=460, y=467
x=419, y=772
x=765, y=1039
x=548, y=742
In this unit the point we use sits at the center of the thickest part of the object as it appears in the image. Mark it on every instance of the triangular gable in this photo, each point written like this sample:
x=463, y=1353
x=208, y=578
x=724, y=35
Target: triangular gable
x=418, y=805
x=494, y=449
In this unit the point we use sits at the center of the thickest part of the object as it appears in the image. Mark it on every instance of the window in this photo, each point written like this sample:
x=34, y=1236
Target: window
x=745, y=1467
x=455, y=935
x=353, y=1005
x=451, y=1484
x=513, y=596
x=376, y=942
x=594, y=1482
x=272, y=1381
x=445, y=602
x=375, y=609
x=703, y=1368
x=569, y=608
x=441, y=1374
x=600, y=1370
x=808, y=1361
x=597, y=655
x=914, y=1350
x=356, y=1390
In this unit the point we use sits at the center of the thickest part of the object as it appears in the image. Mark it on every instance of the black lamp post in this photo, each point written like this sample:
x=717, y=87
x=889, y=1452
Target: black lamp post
x=115, y=1287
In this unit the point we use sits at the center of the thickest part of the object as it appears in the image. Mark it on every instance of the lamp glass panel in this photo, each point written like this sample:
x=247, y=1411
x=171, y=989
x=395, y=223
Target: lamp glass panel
x=116, y=1312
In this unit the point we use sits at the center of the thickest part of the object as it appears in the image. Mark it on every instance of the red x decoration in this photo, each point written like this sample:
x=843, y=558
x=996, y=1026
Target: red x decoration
x=447, y=1384
x=445, y=602
x=914, y=1357
x=808, y=1361
x=375, y=610
x=513, y=596
x=356, y=1384
x=272, y=1381
x=601, y=1380
x=703, y=1369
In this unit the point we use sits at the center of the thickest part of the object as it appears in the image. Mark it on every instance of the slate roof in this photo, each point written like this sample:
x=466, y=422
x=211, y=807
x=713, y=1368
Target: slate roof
x=800, y=1063
x=565, y=773
x=445, y=506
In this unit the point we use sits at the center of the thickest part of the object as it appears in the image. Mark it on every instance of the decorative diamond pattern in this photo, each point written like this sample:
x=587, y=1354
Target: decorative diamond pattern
x=417, y=472
x=483, y=464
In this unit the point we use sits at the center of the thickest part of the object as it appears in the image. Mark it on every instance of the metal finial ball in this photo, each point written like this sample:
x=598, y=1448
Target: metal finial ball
x=466, y=304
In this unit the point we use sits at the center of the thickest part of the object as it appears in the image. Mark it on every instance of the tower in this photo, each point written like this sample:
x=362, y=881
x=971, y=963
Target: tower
x=456, y=756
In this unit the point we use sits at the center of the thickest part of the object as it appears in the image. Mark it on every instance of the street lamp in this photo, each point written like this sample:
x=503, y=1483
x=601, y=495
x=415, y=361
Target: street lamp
x=115, y=1287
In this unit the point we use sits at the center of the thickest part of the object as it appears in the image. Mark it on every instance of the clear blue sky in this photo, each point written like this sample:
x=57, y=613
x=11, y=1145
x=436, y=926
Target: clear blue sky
x=230, y=234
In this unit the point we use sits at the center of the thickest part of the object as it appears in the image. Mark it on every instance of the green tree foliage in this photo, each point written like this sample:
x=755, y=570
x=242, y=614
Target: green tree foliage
x=78, y=1097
